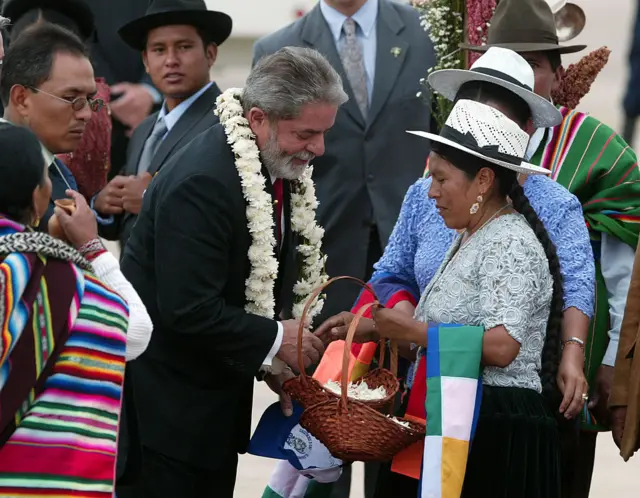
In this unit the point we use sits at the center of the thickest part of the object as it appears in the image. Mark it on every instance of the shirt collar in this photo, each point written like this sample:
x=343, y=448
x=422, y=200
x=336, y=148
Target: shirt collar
x=534, y=143
x=172, y=117
x=365, y=18
x=46, y=154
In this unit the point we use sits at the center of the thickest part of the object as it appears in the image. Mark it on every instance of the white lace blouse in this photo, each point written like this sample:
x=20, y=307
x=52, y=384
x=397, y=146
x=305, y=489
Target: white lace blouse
x=500, y=276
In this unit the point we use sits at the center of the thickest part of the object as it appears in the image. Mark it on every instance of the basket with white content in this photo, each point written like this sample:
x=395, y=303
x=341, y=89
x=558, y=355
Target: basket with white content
x=347, y=420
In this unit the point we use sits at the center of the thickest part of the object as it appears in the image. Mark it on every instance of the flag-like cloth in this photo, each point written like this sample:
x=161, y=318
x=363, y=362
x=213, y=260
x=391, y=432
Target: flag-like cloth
x=454, y=395
x=596, y=165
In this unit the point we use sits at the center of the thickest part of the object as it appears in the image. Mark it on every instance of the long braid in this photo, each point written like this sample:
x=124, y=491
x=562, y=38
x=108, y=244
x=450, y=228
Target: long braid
x=551, y=349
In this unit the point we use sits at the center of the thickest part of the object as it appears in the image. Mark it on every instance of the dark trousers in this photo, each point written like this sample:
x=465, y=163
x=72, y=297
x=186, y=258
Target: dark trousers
x=165, y=477
x=578, y=465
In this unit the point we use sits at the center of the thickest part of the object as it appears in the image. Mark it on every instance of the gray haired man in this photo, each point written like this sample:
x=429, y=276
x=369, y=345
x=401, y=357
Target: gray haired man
x=193, y=249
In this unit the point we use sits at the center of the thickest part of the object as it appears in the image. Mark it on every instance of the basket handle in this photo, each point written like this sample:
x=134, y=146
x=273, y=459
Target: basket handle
x=305, y=312
x=347, y=349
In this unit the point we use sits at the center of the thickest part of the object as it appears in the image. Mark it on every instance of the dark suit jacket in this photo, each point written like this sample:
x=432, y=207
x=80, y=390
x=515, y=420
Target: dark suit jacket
x=115, y=61
x=195, y=120
x=187, y=259
x=368, y=166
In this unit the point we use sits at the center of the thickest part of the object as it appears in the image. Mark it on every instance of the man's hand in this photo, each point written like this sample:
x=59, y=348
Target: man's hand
x=80, y=227
x=109, y=200
x=133, y=190
x=601, y=393
x=336, y=327
x=618, y=416
x=133, y=105
x=275, y=384
x=312, y=347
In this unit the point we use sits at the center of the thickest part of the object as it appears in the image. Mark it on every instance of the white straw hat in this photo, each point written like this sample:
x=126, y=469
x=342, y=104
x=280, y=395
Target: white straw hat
x=505, y=68
x=482, y=131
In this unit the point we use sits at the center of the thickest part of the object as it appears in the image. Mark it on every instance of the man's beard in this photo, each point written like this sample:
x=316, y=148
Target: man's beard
x=279, y=164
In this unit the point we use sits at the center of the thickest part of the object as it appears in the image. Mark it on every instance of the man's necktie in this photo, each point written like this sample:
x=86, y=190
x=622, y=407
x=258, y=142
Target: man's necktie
x=151, y=145
x=352, y=56
x=278, y=194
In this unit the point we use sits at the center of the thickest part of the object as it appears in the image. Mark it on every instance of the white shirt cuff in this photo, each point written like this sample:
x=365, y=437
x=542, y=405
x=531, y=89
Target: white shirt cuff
x=609, y=358
x=268, y=361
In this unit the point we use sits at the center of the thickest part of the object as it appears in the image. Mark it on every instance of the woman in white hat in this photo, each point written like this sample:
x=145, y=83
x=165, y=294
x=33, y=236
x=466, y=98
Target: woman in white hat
x=502, y=274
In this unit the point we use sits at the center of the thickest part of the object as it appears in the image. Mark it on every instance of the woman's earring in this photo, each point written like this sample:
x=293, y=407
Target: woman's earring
x=476, y=205
x=36, y=222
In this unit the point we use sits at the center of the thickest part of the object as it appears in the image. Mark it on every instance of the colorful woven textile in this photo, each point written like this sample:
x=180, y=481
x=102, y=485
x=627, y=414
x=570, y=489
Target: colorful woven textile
x=62, y=345
x=454, y=394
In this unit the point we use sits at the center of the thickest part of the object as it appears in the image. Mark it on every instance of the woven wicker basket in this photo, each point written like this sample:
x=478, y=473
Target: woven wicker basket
x=308, y=391
x=353, y=431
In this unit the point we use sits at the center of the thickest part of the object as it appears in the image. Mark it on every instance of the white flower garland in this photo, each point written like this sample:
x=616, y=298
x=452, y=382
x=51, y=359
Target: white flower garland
x=264, y=265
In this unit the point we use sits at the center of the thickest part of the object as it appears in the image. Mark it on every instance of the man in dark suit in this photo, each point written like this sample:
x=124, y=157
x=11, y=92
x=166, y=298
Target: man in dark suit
x=189, y=259
x=381, y=52
x=370, y=160
x=52, y=96
x=178, y=56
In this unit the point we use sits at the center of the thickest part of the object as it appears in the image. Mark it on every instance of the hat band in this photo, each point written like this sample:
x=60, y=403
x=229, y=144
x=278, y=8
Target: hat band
x=500, y=75
x=468, y=141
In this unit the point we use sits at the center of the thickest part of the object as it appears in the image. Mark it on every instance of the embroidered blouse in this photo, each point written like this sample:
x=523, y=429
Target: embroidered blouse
x=420, y=241
x=500, y=276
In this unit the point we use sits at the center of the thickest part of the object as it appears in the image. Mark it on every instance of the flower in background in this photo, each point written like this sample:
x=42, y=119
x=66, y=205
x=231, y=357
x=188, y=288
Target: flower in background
x=443, y=20
x=479, y=14
x=579, y=77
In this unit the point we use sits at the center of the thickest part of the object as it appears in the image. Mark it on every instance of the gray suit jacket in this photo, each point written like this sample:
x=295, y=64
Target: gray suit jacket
x=368, y=166
x=198, y=118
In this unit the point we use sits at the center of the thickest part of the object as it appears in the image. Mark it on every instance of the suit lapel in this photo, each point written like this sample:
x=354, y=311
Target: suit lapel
x=391, y=53
x=317, y=34
x=204, y=104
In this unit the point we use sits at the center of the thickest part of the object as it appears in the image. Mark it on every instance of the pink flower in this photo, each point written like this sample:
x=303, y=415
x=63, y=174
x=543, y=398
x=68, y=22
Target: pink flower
x=479, y=14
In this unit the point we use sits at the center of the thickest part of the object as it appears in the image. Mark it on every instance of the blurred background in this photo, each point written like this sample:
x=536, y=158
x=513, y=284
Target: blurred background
x=609, y=23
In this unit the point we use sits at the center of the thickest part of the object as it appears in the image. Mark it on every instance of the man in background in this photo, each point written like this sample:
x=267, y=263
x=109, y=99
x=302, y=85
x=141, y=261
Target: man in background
x=178, y=44
x=381, y=52
x=48, y=86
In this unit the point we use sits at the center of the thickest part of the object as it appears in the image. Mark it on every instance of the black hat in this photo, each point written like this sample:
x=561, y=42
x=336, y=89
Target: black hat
x=77, y=10
x=172, y=12
x=524, y=26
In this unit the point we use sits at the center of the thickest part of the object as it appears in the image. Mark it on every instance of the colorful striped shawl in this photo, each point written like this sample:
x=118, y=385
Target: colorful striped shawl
x=61, y=440
x=597, y=166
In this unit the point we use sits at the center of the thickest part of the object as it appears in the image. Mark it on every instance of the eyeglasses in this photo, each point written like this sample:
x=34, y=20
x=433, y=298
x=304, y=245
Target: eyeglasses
x=77, y=104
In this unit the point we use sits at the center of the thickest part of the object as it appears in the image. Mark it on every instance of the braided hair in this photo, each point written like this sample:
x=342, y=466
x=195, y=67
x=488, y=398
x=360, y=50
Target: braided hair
x=508, y=185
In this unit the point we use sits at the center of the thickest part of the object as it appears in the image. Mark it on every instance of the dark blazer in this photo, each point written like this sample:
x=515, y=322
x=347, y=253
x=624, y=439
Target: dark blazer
x=195, y=120
x=187, y=259
x=368, y=165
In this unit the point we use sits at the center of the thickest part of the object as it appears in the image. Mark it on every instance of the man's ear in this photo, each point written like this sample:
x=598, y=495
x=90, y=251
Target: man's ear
x=20, y=99
x=557, y=78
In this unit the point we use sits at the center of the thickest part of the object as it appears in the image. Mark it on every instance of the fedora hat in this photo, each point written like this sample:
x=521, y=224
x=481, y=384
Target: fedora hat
x=505, y=68
x=523, y=26
x=172, y=12
x=76, y=10
x=485, y=132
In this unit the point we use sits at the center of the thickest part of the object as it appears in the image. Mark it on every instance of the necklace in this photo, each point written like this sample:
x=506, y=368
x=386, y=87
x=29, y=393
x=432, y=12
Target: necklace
x=491, y=218
x=259, y=287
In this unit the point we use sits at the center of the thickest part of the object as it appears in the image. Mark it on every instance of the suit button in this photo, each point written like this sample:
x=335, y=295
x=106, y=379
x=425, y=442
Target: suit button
x=370, y=177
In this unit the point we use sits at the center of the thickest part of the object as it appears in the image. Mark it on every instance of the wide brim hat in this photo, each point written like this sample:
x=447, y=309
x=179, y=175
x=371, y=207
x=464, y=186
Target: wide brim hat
x=77, y=10
x=523, y=26
x=173, y=12
x=504, y=68
x=482, y=131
